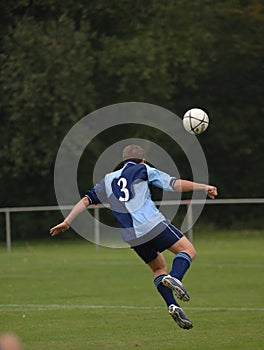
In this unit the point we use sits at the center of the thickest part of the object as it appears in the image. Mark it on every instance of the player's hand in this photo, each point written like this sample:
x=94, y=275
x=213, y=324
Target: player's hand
x=211, y=192
x=62, y=227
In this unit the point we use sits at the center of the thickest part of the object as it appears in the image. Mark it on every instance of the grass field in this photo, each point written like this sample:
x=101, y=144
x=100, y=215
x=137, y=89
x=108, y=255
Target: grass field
x=65, y=294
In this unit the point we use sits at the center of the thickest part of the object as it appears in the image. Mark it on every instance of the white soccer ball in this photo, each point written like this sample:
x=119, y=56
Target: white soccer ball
x=195, y=121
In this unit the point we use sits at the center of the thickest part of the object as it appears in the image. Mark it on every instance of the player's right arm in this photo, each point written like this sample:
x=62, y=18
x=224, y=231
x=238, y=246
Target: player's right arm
x=76, y=210
x=187, y=186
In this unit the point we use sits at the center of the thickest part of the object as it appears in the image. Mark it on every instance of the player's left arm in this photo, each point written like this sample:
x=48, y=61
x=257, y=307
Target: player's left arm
x=92, y=196
x=76, y=210
x=187, y=186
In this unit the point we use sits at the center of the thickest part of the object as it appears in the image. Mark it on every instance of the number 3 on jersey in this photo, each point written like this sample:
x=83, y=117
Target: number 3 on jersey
x=122, y=183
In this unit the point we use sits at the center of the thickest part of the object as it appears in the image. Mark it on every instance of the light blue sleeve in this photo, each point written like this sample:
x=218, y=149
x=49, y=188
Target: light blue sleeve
x=160, y=179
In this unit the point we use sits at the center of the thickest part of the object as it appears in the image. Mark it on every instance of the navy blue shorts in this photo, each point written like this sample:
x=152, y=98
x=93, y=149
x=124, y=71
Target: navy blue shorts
x=149, y=251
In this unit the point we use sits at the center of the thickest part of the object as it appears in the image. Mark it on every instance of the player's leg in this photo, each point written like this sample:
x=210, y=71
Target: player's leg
x=159, y=268
x=157, y=263
x=184, y=254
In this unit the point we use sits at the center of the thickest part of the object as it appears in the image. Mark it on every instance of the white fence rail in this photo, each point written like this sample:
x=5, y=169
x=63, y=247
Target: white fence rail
x=187, y=203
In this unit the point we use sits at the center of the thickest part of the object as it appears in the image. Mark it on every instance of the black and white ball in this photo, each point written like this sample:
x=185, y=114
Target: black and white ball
x=195, y=121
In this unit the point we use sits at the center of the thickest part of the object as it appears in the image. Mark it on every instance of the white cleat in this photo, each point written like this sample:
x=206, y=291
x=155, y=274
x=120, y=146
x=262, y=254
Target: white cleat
x=179, y=317
x=176, y=285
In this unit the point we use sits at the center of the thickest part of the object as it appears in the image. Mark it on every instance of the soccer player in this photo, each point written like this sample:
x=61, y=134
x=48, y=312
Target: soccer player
x=143, y=226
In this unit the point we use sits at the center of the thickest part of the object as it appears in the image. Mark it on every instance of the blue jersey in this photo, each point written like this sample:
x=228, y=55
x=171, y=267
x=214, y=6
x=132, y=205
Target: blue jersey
x=127, y=191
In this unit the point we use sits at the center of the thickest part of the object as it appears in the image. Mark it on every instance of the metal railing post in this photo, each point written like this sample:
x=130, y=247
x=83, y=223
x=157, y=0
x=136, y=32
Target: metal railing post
x=96, y=227
x=8, y=230
x=190, y=221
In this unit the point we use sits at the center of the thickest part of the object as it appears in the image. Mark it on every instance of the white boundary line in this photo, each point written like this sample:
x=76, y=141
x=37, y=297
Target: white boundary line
x=198, y=264
x=48, y=307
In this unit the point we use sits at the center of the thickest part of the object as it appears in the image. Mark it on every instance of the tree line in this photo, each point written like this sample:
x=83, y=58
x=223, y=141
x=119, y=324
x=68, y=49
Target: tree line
x=62, y=60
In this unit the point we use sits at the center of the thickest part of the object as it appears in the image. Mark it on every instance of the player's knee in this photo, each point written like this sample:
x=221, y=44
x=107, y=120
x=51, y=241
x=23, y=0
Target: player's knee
x=193, y=253
x=190, y=250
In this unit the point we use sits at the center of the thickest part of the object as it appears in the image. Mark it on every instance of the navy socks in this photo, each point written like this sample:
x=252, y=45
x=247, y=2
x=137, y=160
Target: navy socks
x=180, y=265
x=164, y=291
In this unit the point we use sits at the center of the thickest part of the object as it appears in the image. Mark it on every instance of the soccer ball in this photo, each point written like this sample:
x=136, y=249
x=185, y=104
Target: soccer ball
x=195, y=121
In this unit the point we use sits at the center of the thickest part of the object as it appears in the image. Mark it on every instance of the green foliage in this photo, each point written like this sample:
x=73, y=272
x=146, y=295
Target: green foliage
x=234, y=83
x=62, y=60
x=46, y=84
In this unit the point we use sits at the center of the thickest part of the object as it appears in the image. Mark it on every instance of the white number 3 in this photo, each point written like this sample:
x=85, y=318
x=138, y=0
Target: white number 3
x=122, y=182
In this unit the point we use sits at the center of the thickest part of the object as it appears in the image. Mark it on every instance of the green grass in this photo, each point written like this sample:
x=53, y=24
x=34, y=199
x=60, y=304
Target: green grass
x=52, y=295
